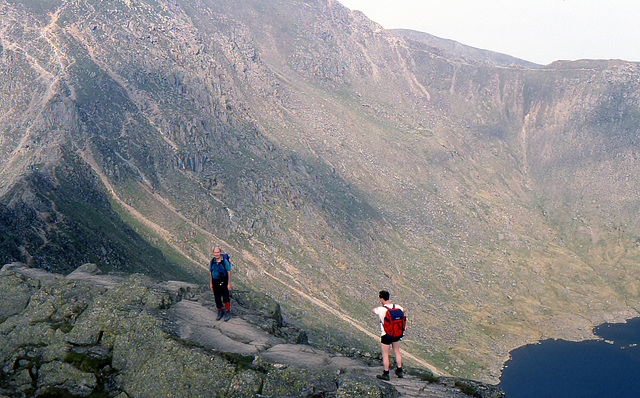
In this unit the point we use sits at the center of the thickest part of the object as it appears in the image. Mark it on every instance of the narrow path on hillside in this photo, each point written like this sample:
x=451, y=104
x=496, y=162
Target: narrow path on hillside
x=351, y=321
x=203, y=259
x=163, y=233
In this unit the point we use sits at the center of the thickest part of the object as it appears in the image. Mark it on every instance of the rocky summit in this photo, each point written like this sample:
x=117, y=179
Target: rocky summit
x=495, y=199
x=88, y=334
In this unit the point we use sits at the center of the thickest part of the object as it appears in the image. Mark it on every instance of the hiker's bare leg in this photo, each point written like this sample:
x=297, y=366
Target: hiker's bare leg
x=396, y=352
x=385, y=357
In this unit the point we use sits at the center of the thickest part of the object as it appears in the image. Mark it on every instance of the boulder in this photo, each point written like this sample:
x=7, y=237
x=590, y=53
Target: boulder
x=56, y=376
x=14, y=295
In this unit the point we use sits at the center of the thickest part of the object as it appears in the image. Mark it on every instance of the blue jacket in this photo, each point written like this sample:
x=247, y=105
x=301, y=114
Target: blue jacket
x=219, y=270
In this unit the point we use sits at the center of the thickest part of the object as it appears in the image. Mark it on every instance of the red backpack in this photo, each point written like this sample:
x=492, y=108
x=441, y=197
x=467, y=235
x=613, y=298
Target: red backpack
x=394, y=322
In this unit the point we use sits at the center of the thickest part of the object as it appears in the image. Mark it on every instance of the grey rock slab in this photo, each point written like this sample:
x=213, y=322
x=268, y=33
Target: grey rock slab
x=14, y=295
x=59, y=375
x=35, y=273
x=90, y=273
x=307, y=356
x=412, y=387
x=196, y=323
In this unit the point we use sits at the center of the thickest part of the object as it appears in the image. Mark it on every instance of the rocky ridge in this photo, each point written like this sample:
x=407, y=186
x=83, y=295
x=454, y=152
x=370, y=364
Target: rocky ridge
x=88, y=334
x=453, y=48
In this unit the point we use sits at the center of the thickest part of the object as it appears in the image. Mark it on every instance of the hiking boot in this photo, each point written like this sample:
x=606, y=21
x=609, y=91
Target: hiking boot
x=383, y=376
x=399, y=373
x=220, y=315
x=227, y=315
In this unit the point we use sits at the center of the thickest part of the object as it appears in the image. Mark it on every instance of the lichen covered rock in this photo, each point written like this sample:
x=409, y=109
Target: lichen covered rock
x=14, y=295
x=55, y=376
x=357, y=386
x=89, y=333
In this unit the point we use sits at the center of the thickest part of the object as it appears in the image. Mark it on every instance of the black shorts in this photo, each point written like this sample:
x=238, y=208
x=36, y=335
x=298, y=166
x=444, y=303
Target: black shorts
x=387, y=340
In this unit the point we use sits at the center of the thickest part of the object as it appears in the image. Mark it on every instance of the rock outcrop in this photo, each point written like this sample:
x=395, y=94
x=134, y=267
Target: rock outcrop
x=88, y=334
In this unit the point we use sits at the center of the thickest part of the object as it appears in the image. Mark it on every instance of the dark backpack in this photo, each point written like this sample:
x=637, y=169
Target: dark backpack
x=394, y=322
x=219, y=268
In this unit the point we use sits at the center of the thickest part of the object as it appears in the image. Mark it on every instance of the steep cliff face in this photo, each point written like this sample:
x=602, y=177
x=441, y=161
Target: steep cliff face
x=331, y=159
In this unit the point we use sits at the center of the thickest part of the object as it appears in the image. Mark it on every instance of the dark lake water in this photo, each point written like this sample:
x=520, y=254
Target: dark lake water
x=608, y=368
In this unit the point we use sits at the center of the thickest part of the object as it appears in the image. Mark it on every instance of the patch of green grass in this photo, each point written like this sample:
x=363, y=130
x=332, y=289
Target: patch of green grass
x=422, y=374
x=194, y=271
x=467, y=388
x=86, y=362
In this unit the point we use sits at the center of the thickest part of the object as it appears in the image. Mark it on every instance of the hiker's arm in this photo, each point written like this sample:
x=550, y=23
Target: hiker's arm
x=229, y=281
x=211, y=280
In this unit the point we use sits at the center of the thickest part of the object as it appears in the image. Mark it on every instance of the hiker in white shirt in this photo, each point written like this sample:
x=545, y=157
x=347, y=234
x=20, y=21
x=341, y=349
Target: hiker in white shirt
x=387, y=341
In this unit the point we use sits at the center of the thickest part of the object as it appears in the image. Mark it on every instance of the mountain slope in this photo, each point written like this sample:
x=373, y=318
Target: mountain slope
x=455, y=49
x=331, y=159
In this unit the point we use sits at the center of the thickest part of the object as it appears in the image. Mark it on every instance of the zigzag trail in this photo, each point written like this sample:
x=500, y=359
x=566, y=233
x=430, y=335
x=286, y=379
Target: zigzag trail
x=48, y=77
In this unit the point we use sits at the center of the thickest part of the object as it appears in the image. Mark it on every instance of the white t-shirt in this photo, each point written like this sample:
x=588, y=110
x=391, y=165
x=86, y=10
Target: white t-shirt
x=381, y=312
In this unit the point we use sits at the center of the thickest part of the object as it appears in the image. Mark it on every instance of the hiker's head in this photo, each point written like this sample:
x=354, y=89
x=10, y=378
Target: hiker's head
x=216, y=253
x=384, y=295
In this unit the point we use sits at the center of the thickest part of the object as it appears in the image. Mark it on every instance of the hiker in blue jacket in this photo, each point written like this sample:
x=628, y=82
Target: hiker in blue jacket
x=220, y=271
x=386, y=341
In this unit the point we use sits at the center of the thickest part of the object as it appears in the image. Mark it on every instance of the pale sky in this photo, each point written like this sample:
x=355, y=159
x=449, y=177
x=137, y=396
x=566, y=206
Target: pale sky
x=540, y=31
